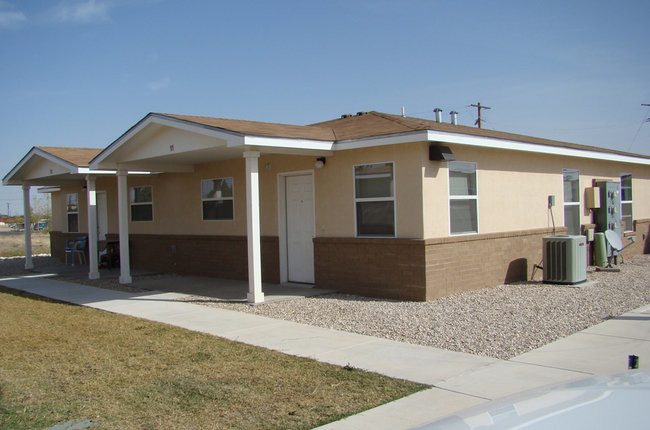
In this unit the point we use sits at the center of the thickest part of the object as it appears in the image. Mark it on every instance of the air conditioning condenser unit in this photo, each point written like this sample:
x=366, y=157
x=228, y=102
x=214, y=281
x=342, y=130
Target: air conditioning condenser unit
x=565, y=259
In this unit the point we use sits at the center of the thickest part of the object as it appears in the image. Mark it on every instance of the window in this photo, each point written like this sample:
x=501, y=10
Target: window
x=571, y=179
x=141, y=203
x=217, y=199
x=374, y=198
x=463, y=199
x=72, y=211
x=626, y=203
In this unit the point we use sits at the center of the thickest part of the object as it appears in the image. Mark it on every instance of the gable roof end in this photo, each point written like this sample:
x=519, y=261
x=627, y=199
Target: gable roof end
x=70, y=159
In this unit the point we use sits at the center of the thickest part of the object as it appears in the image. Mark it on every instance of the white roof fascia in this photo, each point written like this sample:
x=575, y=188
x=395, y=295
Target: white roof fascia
x=513, y=145
x=486, y=142
x=88, y=171
x=279, y=142
x=47, y=190
x=194, y=127
x=39, y=152
x=390, y=139
x=228, y=136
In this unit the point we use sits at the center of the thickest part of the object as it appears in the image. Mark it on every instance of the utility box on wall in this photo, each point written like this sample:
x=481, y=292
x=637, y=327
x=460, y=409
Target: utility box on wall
x=592, y=197
x=608, y=215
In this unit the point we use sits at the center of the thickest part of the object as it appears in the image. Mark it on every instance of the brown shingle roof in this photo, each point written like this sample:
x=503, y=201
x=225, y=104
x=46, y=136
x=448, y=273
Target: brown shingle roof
x=372, y=124
x=78, y=156
x=257, y=128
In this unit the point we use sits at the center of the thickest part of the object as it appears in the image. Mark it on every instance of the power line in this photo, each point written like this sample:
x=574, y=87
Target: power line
x=478, y=106
x=643, y=121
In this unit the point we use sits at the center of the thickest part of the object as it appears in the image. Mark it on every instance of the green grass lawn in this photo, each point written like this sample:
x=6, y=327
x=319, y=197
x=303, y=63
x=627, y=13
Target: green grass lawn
x=61, y=362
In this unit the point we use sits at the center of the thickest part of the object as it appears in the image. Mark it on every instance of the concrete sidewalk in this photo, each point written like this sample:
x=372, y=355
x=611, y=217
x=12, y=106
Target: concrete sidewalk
x=458, y=380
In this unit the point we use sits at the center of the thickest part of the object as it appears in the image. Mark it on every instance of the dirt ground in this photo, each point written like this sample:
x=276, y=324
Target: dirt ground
x=12, y=242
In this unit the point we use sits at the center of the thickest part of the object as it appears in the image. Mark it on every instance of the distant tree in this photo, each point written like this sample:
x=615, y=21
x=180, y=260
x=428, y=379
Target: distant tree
x=41, y=209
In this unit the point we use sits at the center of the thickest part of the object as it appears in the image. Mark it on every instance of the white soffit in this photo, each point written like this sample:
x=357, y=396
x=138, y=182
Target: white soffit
x=489, y=142
x=278, y=142
x=48, y=190
x=485, y=142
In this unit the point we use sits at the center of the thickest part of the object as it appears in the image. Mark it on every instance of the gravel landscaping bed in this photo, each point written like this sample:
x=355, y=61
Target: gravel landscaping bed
x=500, y=322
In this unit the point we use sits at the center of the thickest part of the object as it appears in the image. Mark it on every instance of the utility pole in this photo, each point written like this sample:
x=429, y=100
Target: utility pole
x=478, y=106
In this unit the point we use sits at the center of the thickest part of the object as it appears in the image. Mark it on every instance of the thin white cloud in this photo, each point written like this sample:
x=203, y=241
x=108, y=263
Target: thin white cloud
x=11, y=20
x=159, y=84
x=83, y=12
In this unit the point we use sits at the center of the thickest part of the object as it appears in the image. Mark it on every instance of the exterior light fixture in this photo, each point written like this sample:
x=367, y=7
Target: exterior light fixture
x=320, y=162
x=438, y=152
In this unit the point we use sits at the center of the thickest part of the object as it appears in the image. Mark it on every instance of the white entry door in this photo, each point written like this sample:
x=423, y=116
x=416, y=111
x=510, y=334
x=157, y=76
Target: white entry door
x=300, y=228
x=102, y=215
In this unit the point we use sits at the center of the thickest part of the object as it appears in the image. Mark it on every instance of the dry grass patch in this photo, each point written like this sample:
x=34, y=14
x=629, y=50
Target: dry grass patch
x=60, y=362
x=12, y=243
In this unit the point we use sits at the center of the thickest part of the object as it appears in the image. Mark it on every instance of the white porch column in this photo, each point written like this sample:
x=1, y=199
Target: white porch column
x=93, y=269
x=27, y=212
x=123, y=216
x=255, y=294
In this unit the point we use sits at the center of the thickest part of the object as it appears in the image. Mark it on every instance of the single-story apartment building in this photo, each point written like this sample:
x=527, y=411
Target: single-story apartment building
x=371, y=203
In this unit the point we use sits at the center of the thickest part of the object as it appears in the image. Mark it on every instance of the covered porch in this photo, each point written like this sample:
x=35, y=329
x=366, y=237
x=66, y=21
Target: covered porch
x=175, y=150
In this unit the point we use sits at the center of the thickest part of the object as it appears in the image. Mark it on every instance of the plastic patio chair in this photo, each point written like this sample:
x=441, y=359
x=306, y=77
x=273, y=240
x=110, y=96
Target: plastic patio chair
x=80, y=249
x=74, y=247
x=69, y=248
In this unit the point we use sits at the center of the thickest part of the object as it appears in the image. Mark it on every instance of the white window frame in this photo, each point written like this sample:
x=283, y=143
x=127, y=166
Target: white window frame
x=452, y=197
x=131, y=204
x=68, y=213
x=627, y=202
x=571, y=203
x=219, y=199
x=374, y=199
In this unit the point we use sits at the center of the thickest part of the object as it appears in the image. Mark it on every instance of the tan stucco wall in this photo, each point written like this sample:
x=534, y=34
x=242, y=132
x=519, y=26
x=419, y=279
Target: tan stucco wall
x=420, y=214
x=59, y=215
x=530, y=178
x=177, y=197
x=335, y=189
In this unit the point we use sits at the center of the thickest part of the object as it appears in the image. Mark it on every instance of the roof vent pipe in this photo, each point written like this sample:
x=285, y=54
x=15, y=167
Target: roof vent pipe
x=438, y=113
x=454, y=117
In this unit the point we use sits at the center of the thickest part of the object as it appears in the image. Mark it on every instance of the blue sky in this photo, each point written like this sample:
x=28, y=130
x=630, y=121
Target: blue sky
x=81, y=72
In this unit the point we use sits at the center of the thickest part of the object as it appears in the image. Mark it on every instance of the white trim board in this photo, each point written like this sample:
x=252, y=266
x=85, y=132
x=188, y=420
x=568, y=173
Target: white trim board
x=484, y=142
x=490, y=142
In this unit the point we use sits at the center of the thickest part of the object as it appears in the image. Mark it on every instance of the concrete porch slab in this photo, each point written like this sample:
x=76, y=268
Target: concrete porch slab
x=208, y=288
x=225, y=290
